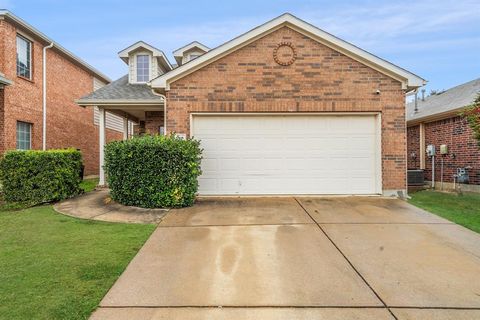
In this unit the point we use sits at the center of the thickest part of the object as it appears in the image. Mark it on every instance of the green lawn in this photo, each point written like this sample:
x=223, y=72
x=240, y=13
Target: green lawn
x=462, y=209
x=57, y=267
x=88, y=184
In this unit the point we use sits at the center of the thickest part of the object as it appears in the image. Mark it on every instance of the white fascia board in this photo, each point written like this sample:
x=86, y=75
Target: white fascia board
x=409, y=80
x=70, y=55
x=195, y=44
x=124, y=54
x=4, y=81
x=102, y=102
x=435, y=116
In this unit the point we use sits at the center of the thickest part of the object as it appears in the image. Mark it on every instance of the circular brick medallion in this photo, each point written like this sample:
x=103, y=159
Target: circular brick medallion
x=285, y=54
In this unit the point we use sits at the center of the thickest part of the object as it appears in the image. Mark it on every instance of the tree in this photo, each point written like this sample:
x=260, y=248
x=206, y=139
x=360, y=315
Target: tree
x=472, y=115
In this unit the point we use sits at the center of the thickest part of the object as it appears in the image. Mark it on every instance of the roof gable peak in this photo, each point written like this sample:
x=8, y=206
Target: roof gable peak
x=409, y=80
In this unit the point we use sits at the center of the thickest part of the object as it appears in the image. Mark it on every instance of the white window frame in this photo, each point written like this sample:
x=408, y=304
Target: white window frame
x=30, y=46
x=29, y=125
x=137, y=68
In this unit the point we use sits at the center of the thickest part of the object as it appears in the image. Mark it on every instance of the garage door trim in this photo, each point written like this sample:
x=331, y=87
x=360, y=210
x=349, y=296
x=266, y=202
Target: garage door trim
x=378, y=130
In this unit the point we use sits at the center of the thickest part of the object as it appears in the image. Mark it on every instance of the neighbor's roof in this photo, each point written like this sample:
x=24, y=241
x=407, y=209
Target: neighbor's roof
x=7, y=14
x=445, y=103
x=4, y=81
x=121, y=92
x=409, y=80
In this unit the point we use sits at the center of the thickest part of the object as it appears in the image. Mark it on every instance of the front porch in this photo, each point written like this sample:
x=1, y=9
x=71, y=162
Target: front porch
x=147, y=119
x=134, y=102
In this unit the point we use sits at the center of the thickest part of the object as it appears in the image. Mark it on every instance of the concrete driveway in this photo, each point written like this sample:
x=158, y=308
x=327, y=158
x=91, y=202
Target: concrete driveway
x=301, y=258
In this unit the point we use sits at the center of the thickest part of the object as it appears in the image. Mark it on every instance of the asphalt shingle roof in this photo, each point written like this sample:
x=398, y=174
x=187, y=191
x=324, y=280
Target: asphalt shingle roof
x=120, y=89
x=449, y=100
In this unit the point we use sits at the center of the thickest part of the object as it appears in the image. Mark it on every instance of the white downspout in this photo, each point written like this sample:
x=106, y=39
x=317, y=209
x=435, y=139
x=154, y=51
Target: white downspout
x=164, y=110
x=44, y=97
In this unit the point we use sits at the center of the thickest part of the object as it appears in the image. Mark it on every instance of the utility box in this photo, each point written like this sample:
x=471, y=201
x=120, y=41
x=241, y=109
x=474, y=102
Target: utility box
x=430, y=150
x=443, y=149
x=462, y=175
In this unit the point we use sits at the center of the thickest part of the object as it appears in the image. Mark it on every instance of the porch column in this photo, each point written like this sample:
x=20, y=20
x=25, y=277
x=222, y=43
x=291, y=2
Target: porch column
x=101, y=144
x=125, y=128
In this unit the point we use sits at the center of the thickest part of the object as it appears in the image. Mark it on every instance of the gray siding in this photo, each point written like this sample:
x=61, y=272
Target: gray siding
x=112, y=121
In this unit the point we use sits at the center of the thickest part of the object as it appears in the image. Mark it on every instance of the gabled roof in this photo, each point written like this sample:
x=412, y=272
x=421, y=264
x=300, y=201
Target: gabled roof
x=195, y=44
x=10, y=16
x=124, y=54
x=121, y=92
x=444, y=104
x=409, y=80
x=4, y=81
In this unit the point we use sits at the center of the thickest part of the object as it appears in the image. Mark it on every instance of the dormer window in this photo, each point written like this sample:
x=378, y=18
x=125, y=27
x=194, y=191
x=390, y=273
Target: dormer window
x=144, y=62
x=189, y=52
x=143, y=68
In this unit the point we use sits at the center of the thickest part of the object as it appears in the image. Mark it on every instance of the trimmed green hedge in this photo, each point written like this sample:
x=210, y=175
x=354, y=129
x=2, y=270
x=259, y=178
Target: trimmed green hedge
x=153, y=171
x=35, y=177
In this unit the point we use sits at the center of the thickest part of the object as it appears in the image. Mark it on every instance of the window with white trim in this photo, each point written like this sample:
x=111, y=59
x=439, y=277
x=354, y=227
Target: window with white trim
x=24, y=135
x=24, y=57
x=143, y=68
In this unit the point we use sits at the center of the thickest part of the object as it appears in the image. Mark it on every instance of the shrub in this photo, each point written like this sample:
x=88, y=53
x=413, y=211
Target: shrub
x=35, y=177
x=153, y=171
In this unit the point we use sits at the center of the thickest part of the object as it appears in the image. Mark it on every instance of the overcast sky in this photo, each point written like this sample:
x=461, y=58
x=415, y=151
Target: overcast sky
x=438, y=40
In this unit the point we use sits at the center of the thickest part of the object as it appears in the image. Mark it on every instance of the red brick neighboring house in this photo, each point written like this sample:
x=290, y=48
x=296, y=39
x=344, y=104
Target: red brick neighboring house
x=435, y=121
x=285, y=108
x=21, y=94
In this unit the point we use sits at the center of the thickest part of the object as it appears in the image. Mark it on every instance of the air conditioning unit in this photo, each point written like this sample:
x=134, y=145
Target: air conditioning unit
x=415, y=178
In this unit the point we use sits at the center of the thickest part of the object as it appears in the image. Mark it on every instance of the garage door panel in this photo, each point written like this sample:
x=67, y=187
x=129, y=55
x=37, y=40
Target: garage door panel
x=208, y=185
x=361, y=185
x=229, y=164
x=209, y=164
x=287, y=154
x=362, y=143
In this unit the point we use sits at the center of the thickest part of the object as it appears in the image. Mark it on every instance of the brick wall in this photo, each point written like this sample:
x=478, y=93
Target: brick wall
x=68, y=125
x=463, y=150
x=153, y=121
x=320, y=80
x=413, y=147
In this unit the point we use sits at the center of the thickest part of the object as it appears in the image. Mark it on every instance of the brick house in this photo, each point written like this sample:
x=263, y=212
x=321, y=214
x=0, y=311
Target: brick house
x=285, y=108
x=68, y=78
x=435, y=120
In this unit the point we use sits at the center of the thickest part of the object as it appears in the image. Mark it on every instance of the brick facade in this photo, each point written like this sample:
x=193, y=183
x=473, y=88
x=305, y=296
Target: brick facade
x=320, y=80
x=68, y=125
x=463, y=149
x=413, y=147
x=153, y=121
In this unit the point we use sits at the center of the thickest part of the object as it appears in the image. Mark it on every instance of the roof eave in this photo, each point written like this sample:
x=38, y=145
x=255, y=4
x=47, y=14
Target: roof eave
x=42, y=36
x=5, y=82
x=435, y=117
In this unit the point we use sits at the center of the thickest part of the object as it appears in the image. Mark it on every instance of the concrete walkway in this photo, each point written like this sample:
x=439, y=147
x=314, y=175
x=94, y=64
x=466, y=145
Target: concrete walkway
x=301, y=258
x=97, y=205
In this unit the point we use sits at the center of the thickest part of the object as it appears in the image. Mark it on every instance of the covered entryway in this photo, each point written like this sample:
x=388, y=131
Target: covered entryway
x=148, y=117
x=289, y=154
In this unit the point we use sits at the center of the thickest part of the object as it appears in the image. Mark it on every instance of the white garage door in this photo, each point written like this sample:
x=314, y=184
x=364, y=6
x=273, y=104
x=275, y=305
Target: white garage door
x=288, y=154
